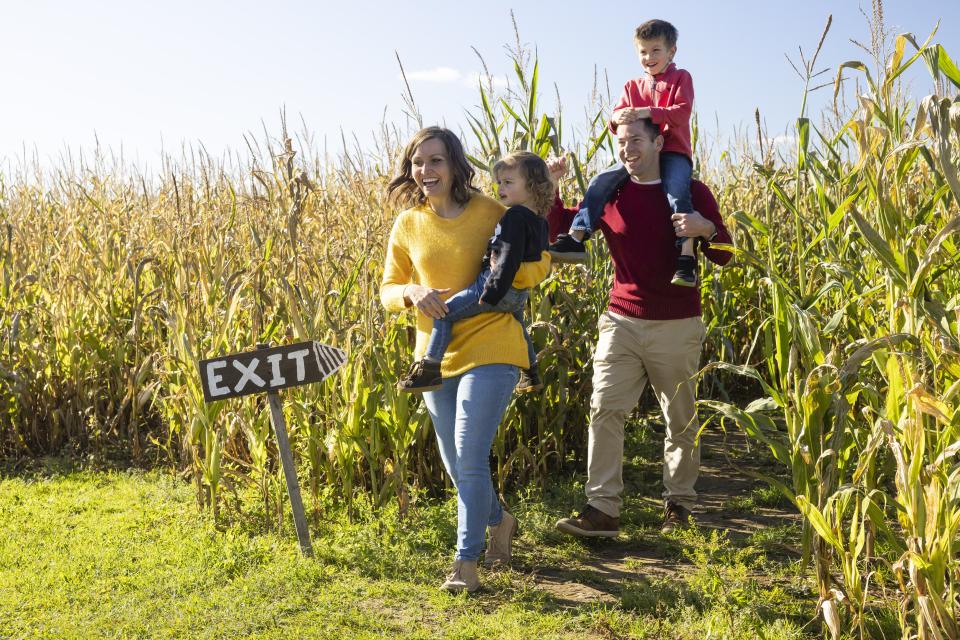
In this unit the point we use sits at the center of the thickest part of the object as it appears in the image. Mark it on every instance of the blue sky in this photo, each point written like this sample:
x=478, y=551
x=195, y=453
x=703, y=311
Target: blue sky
x=147, y=76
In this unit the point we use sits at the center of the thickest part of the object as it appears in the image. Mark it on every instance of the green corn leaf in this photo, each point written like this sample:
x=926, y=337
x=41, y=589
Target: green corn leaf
x=932, y=253
x=803, y=141
x=818, y=522
x=947, y=66
x=532, y=99
x=578, y=172
x=894, y=69
x=603, y=137
x=543, y=131
x=751, y=427
x=762, y=404
x=784, y=199
x=750, y=221
x=516, y=117
x=479, y=164
x=852, y=64
x=746, y=371
x=891, y=259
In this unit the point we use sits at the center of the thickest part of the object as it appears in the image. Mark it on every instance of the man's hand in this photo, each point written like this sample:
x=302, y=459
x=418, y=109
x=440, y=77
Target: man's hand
x=692, y=225
x=630, y=114
x=427, y=300
x=558, y=168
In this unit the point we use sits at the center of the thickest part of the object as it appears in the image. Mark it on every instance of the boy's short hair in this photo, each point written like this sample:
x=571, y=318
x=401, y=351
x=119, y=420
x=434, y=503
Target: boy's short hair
x=657, y=29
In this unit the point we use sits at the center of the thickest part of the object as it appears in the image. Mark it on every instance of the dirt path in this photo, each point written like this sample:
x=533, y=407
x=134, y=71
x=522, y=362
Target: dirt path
x=604, y=566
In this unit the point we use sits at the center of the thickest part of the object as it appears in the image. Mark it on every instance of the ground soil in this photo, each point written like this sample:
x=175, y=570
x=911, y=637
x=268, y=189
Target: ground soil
x=600, y=574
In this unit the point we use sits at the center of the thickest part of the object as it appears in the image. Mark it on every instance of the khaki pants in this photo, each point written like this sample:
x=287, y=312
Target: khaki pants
x=631, y=352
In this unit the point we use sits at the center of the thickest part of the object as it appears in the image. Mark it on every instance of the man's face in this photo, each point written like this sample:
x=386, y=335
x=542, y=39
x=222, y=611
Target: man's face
x=639, y=152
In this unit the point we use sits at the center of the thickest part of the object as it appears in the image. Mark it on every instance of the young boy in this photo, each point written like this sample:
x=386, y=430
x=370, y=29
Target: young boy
x=665, y=95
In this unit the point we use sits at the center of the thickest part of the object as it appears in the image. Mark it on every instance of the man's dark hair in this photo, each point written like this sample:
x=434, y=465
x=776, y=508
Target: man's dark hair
x=650, y=127
x=657, y=29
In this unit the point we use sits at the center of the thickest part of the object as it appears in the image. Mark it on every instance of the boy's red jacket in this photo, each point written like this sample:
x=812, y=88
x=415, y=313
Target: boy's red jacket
x=670, y=97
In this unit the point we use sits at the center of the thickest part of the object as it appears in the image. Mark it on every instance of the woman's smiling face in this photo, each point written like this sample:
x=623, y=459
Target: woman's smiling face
x=431, y=168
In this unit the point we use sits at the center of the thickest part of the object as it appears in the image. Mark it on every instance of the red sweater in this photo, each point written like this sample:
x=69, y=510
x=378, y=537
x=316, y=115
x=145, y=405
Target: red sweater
x=636, y=225
x=670, y=97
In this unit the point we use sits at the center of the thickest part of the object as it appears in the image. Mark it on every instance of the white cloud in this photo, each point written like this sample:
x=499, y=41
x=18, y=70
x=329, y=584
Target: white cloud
x=440, y=74
x=785, y=140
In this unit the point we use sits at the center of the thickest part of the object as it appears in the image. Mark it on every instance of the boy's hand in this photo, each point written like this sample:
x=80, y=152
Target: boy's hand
x=629, y=114
x=558, y=168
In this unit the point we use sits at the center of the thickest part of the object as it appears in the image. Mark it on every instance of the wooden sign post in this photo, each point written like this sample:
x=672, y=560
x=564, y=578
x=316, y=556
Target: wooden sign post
x=267, y=370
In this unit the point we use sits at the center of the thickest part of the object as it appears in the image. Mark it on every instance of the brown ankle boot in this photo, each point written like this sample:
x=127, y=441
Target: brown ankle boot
x=463, y=577
x=500, y=542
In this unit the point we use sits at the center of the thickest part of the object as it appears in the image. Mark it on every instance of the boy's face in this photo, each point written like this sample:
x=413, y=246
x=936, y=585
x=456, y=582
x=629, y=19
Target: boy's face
x=655, y=55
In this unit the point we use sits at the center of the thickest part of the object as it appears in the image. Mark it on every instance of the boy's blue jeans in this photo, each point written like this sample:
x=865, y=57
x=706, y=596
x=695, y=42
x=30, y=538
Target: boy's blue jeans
x=466, y=304
x=675, y=173
x=466, y=412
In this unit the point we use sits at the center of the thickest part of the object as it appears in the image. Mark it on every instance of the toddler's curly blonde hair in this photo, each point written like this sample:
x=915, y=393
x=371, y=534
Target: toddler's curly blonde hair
x=536, y=174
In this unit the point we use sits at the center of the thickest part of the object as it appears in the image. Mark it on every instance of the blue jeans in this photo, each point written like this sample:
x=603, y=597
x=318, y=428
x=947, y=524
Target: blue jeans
x=676, y=170
x=466, y=412
x=466, y=304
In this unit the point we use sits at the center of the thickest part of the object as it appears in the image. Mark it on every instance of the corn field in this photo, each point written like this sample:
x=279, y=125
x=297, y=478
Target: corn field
x=842, y=308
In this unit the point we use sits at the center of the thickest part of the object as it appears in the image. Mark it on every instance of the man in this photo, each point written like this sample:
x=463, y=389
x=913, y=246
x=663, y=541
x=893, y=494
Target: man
x=651, y=332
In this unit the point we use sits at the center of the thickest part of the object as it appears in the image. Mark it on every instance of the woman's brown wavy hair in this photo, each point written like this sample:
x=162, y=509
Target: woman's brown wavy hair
x=537, y=176
x=403, y=190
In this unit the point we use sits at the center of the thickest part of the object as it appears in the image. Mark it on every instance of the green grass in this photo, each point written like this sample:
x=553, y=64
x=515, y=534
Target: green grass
x=125, y=554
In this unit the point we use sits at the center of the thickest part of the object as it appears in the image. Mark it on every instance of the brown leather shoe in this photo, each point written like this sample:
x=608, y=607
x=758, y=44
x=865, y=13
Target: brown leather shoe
x=675, y=516
x=591, y=523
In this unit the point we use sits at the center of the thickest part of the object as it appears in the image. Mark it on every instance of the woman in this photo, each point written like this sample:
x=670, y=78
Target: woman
x=436, y=247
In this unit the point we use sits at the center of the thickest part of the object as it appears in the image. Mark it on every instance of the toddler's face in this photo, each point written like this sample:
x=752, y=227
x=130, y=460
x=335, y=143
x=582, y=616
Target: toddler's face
x=655, y=55
x=512, y=187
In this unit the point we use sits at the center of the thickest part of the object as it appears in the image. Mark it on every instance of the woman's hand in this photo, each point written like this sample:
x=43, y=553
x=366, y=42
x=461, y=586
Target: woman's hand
x=427, y=300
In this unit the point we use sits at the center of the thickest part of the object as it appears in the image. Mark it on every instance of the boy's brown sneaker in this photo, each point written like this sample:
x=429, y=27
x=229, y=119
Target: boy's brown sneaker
x=675, y=516
x=529, y=380
x=424, y=375
x=591, y=523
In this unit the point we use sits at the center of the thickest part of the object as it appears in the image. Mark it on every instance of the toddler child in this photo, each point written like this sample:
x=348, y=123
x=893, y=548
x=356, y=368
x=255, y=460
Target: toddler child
x=665, y=95
x=524, y=185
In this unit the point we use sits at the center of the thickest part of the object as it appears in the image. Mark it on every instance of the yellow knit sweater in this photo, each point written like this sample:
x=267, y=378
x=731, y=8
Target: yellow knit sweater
x=445, y=253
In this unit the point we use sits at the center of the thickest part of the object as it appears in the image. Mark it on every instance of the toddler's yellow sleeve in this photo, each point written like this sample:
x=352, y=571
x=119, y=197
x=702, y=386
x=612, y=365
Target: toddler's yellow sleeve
x=530, y=274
